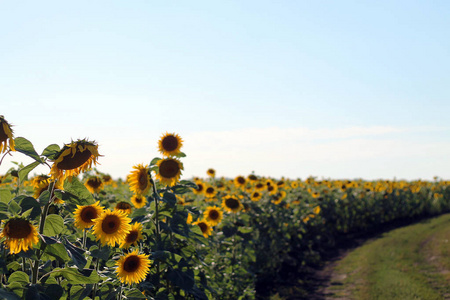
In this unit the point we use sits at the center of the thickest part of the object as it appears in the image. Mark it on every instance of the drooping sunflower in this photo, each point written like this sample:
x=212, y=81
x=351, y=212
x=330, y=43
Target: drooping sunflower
x=123, y=206
x=86, y=214
x=133, y=267
x=169, y=171
x=231, y=204
x=112, y=227
x=19, y=235
x=6, y=136
x=94, y=184
x=139, y=180
x=74, y=158
x=170, y=144
x=133, y=237
x=211, y=172
x=138, y=201
x=205, y=227
x=213, y=215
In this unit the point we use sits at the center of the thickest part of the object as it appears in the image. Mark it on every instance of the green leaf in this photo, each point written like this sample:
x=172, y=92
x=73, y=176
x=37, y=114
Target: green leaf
x=183, y=279
x=44, y=197
x=51, y=151
x=181, y=154
x=54, y=225
x=30, y=203
x=77, y=189
x=8, y=295
x=23, y=173
x=4, y=211
x=54, y=291
x=32, y=293
x=24, y=146
x=75, y=277
x=154, y=161
x=5, y=196
x=170, y=199
x=134, y=294
x=76, y=254
x=58, y=251
x=19, y=276
x=102, y=253
x=14, y=208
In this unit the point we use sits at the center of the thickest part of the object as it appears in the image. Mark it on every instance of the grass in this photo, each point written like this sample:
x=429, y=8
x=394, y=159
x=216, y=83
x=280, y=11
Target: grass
x=412, y=262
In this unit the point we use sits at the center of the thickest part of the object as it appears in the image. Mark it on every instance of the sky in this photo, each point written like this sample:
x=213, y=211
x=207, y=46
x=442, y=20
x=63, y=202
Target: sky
x=331, y=89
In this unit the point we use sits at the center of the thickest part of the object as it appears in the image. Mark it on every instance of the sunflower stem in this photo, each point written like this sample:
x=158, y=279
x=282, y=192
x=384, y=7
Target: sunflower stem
x=157, y=228
x=8, y=152
x=84, y=238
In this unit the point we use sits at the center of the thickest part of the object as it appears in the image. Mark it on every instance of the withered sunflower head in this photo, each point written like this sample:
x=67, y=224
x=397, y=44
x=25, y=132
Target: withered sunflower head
x=6, y=136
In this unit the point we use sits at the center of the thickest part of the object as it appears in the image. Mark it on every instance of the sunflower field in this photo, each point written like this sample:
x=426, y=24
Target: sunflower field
x=76, y=233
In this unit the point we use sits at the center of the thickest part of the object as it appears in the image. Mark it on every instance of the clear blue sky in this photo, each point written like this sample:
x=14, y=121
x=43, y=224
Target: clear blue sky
x=340, y=89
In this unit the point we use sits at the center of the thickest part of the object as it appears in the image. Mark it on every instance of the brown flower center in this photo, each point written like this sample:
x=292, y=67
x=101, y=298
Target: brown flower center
x=138, y=200
x=232, y=203
x=199, y=187
x=132, y=237
x=210, y=190
x=17, y=228
x=70, y=162
x=169, y=168
x=123, y=205
x=95, y=182
x=170, y=143
x=111, y=224
x=213, y=214
x=241, y=180
x=88, y=214
x=143, y=180
x=131, y=264
x=203, y=226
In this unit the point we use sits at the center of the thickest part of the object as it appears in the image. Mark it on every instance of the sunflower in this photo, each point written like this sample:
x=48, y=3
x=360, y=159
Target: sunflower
x=123, y=206
x=85, y=215
x=252, y=177
x=205, y=227
x=272, y=189
x=138, y=201
x=112, y=227
x=139, y=180
x=210, y=192
x=133, y=237
x=213, y=215
x=170, y=144
x=240, y=181
x=279, y=197
x=255, y=196
x=211, y=172
x=133, y=267
x=74, y=158
x=94, y=184
x=231, y=204
x=19, y=235
x=200, y=189
x=6, y=135
x=189, y=219
x=169, y=171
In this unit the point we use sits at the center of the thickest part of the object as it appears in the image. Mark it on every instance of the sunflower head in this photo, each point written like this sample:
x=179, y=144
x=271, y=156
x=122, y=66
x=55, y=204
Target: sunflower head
x=169, y=171
x=240, y=181
x=138, y=201
x=210, y=192
x=133, y=267
x=94, y=184
x=6, y=136
x=133, y=237
x=123, y=206
x=213, y=215
x=256, y=196
x=112, y=227
x=205, y=227
x=85, y=215
x=200, y=189
x=170, y=144
x=19, y=235
x=211, y=172
x=231, y=204
x=74, y=158
x=139, y=180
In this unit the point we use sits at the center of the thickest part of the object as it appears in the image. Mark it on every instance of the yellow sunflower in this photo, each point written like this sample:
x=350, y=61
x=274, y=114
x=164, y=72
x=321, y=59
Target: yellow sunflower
x=94, y=184
x=86, y=214
x=210, y=192
x=19, y=235
x=189, y=219
x=205, y=227
x=256, y=196
x=276, y=199
x=170, y=144
x=74, y=158
x=139, y=180
x=123, y=206
x=200, y=189
x=133, y=237
x=133, y=267
x=169, y=171
x=138, y=201
x=6, y=136
x=211, y=172
x=112, y=227
x=42, y=185
x=213, y=215
x=239, y=181
x=231, y=204
x=252, y=177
